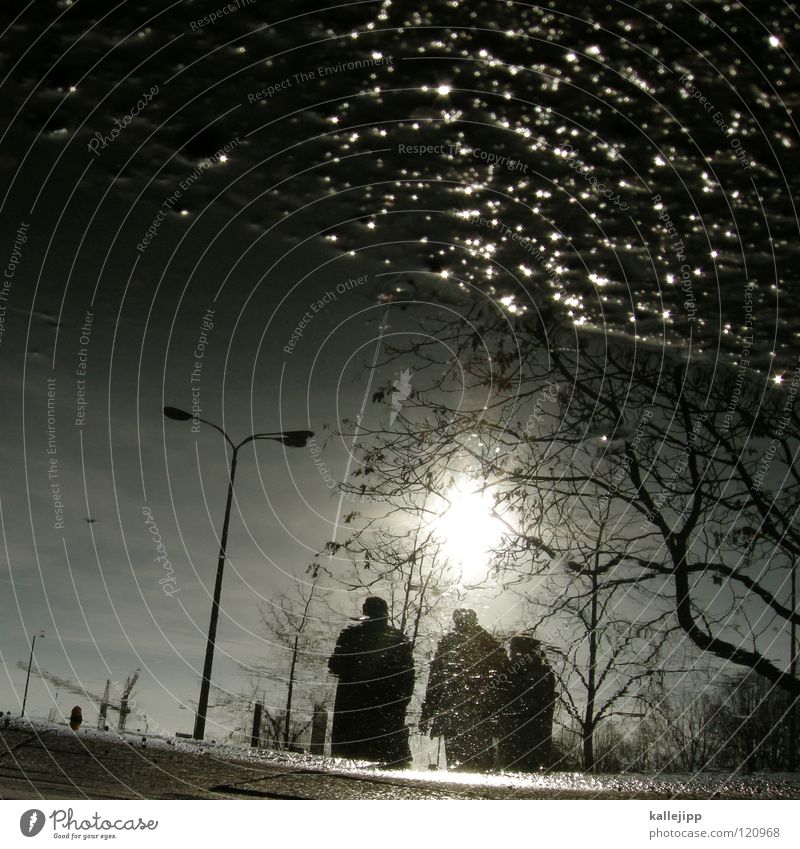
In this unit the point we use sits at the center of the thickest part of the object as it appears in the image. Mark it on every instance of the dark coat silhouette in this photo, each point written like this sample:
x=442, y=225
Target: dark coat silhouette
x=527, y=739
x=464, y=696
x=375, y=668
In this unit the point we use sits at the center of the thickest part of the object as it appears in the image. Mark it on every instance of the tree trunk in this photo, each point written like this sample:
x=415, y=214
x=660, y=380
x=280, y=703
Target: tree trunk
x=288, y=719
x=591, y=684
x=255, y=734
x=715, y=645
x=791, y=760
x=588, y=745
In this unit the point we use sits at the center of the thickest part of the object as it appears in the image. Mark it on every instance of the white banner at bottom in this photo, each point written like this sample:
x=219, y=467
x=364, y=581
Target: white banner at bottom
x=402, y=824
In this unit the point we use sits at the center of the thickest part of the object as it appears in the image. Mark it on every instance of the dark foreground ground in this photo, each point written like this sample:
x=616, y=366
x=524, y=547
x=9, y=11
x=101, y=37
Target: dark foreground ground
x=53, y=763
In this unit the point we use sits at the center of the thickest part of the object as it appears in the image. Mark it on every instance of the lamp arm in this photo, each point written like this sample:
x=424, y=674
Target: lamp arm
x=220, y=430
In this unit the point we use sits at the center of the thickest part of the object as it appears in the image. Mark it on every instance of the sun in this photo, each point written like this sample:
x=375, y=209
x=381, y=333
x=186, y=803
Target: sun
x=467, y=529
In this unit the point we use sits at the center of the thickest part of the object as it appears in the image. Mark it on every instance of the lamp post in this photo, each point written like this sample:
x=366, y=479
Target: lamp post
x=291, y=438
x=28, y=676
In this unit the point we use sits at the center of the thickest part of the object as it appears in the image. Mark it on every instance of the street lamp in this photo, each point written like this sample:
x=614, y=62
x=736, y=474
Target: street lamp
x=290, y=438
x=28, y=676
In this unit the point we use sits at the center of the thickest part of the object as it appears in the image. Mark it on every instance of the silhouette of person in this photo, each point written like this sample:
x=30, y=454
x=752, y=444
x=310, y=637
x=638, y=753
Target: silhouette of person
x=526, y=741
x=464, y=696
x=76, y=718
x=375, y=668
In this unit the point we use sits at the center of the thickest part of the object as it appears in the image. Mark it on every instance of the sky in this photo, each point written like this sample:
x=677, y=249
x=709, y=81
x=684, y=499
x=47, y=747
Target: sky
x=108, y=334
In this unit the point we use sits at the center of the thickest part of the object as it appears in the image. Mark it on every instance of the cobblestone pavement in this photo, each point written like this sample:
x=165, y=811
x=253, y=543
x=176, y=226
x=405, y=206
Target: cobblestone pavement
x=48, y=764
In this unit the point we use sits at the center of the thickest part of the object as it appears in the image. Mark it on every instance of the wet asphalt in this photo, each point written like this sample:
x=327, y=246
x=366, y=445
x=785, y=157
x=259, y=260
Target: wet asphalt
x=45, y=764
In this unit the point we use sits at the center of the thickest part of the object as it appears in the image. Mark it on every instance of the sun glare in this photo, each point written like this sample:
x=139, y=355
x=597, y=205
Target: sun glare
x=467, y=529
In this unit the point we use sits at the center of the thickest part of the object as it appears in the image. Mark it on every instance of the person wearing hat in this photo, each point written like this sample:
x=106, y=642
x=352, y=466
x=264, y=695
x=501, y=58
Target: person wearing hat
x=375, y=668
x=464, y=696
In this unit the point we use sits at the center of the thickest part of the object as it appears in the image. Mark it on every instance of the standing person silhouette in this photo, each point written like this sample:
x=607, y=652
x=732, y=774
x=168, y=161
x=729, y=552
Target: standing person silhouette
x=464, y=696
x=76, y=718
x=375, y=668
x=527, y=740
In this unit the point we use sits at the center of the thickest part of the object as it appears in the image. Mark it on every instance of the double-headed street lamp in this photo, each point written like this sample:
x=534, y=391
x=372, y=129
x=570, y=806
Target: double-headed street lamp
x=290, y=438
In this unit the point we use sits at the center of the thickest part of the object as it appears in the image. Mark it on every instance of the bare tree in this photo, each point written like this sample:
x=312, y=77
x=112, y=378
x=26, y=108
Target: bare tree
x=754, y=725
x=608, y=634
x=701, y=465
x=292, y=624
x=689, y=737
x=407, y=567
